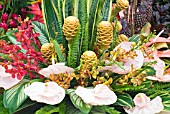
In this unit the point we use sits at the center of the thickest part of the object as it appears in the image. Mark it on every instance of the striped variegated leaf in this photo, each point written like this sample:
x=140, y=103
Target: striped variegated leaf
x=134, y=38
x=124, y=99
x=40, y=28
x=78, y=102
x=14, y=97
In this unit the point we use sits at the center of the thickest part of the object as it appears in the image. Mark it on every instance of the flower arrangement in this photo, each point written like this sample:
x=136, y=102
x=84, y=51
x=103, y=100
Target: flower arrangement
x=69, y=58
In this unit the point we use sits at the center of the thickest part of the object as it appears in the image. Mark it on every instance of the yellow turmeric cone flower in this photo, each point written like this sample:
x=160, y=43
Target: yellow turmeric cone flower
x=121, y=38
x=89, y=58
x=118, y=26
x=122, y=4
x=70, y=27
x=104, y=34
x=47, y=51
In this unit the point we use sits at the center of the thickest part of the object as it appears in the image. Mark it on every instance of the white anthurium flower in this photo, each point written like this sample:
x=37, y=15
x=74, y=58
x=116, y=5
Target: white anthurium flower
x=49, y=92
x=6, y=79
x=159, y=68
x=100, y=95
x=128, y=63
x=55, y=69
x=143, y=105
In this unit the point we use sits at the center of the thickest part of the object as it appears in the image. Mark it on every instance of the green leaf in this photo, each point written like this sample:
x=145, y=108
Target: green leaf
x=40, y=28
x=51, y=21
x=73, y=54
x=134, y=38
x=92, y=22
x=12, y=38
x=49, y=109
x=3, y=110
x=14, y=97
x=26, y=106
x=104, y=110
x=124, y=99
x=58, y=51
x=78, y=102
x=62, y=107
x=145, y=85
x=71, y=109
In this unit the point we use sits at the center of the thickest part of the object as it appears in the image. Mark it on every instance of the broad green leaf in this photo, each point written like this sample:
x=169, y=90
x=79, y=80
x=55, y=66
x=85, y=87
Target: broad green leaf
x=40, y=28
x=62, y=107
x=26, y=106
x=12, y=38
x=71, y=109
x=14, y=97
x=49, y=109
x=78, y=102
x=124, y=99
x=104, y=110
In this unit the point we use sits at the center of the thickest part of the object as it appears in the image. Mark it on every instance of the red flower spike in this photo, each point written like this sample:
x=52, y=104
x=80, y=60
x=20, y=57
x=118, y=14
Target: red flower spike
x=4, y=17
x=14, y=16
x=1, y=7
x=4, y=25
x=13, y=23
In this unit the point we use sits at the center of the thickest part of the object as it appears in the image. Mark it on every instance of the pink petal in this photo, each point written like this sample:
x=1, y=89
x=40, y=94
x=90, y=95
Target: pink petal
x=152, y=78
x=49, y=93
x=100, y=95
x=6, y=80
x=55, y=69
x=158, y=40
x=156, y=105
x=163, y=53
x=159, y=67
x=141, y=100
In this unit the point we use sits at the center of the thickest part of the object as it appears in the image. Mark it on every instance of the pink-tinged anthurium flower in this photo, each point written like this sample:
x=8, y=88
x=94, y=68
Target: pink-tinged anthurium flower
x=127, y=62
x=100, y=95
x=158, y=40
x=56, y=69
x=160, y=76
x=143, y=105
x=6, y=79
x=49, y=93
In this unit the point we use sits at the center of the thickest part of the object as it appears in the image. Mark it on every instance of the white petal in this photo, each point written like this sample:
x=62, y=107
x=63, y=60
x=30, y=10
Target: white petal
x=156, y=105
x=100, y=95
x=55, y=69
x=141, y=100
x=125, y=45
x=49, y=93
x=6, y=80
